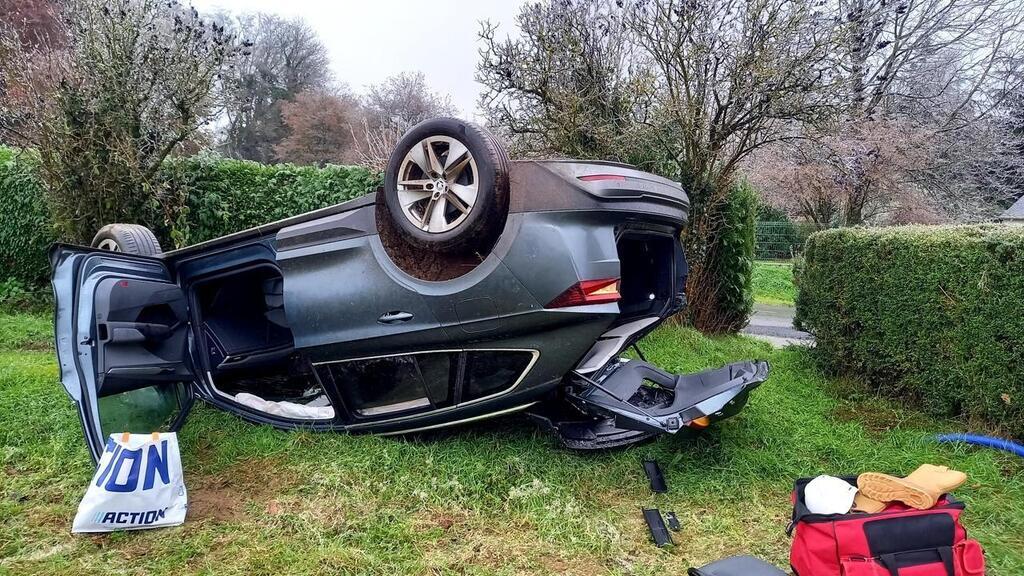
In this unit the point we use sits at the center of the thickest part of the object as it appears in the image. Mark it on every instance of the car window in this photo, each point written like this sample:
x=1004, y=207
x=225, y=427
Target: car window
x=383, y=386
x=142, y=410
x=490, y=372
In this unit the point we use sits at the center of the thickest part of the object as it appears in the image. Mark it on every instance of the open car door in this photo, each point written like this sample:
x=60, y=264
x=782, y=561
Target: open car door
x=122, y=337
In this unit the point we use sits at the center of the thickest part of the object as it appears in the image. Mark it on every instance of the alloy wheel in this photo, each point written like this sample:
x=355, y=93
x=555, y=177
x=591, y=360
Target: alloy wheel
x=108, y=244
x=437, y=185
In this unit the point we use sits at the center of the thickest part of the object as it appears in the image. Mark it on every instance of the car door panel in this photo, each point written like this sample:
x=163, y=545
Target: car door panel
x=122, y=342
x=339, y=300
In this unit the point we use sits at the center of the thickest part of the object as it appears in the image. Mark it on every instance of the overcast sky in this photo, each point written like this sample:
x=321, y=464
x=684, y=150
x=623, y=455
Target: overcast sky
x=370, y=40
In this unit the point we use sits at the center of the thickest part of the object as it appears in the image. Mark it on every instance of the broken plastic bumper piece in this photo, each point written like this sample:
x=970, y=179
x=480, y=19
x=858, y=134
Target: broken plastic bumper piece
x=628, y=401
x=642, y=397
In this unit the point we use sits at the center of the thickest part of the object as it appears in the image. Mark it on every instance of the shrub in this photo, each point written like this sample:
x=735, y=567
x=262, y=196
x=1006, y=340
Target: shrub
x=725, y=291
x=934, y=314
x=17, y=296
x=26, y=230
x=221, y=196
x=205, y=197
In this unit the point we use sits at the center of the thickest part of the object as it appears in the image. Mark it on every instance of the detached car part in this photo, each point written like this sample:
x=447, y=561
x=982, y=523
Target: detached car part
x=655, y=476
x=468, y=287
x=656, y=524
x=673, y=521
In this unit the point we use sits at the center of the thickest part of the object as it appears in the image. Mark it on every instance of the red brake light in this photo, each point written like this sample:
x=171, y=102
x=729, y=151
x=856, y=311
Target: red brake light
x=588, y=292
x=598, y=177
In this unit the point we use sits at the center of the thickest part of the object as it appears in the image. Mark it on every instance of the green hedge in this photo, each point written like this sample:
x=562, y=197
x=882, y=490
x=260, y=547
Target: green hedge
x=203, y=197
x=736, y=254
x=224, y=196
x=25, y=228
x=719, y=288
x=933, y=314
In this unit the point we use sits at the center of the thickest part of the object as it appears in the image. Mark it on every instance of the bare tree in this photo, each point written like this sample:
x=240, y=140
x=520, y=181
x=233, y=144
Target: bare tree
x=319, y=125
x=682, y=88
x=405, y=99
x=390, y=109
x=136, y=81
x=282, y=59
x=734, y=76
x=33, y=33
x=941, y=70
x=574, y=83
x=36, y=23
x=911, y=53
x=850, y=177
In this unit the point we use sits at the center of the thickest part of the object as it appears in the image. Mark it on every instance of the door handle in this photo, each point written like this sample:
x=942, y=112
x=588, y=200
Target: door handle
x=394, y=317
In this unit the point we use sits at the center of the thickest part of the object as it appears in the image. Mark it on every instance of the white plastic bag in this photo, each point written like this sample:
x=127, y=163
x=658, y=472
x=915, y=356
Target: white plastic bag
x=138, y=484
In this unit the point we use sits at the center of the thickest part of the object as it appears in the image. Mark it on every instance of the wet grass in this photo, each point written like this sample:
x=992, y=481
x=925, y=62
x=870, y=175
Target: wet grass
x=773, y=283
x=25, y=331
x=499, y=497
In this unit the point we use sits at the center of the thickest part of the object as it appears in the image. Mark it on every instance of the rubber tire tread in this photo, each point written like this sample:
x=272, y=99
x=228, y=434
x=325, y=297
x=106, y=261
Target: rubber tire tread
x=131, y=238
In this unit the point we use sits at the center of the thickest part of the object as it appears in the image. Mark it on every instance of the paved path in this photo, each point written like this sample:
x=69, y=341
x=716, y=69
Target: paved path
x=774, y=323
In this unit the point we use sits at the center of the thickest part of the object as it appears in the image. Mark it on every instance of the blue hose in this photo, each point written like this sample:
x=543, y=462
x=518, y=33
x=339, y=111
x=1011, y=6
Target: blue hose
x=987, y=441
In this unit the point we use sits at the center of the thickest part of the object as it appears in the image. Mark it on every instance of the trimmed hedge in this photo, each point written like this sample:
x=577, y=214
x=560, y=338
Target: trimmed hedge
x=26, y=231
x=224, y=196
x=933, y=314
x=204, y=197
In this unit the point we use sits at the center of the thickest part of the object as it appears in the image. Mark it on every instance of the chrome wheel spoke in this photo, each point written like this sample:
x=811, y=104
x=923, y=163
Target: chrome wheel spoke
x=452, y=172
x=409, y=197
x=462, y=208
x=435, y=164
x=420, y=183
x=418, y=155
x=436, y=219
x=466, y=195
x=457, y=152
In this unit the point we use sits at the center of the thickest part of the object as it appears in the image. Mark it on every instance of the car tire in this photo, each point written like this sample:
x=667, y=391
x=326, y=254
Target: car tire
x=446, y=186
x=127, y=238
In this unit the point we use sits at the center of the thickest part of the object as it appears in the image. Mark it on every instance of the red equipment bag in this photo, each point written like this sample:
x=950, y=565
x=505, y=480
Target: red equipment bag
x=898, y=541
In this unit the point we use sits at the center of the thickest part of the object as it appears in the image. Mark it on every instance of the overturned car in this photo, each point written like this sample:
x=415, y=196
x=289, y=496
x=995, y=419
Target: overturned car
x=469, y=286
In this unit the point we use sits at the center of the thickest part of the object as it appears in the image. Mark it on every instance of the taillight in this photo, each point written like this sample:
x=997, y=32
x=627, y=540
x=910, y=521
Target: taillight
x=598, y=177
x=588, y=292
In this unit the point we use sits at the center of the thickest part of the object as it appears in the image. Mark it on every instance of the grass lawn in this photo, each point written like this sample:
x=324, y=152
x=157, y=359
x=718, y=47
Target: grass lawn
x=773, y=283
x=498, y=497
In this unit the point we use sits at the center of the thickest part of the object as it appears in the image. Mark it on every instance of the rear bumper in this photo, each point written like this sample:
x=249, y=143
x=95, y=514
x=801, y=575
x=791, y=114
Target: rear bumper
x=643, y=397
x=629, y=401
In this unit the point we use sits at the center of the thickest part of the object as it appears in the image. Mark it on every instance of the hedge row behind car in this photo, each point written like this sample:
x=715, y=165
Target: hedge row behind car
x=205, y=197
x=26, y=230
x=934, y=314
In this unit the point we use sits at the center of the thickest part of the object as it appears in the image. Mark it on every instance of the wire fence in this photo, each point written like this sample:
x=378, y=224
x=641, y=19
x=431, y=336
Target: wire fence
x=780, y=240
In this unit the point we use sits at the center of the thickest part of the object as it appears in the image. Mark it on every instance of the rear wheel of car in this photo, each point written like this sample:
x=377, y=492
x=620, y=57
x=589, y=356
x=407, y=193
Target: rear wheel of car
x=128, y=238
x=446, y=186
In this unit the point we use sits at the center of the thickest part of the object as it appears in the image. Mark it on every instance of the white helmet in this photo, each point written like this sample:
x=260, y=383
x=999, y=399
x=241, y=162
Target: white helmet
x=829, y=495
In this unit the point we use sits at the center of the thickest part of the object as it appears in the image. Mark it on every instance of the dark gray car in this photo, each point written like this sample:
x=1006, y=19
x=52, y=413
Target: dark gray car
x=469, y=286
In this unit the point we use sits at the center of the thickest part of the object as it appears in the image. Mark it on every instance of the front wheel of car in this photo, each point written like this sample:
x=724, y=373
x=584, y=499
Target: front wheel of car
x=128, y=238
x=446, y=186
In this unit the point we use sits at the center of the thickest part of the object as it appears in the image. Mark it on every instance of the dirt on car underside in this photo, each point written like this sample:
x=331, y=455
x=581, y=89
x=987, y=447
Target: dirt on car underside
x=420, y=263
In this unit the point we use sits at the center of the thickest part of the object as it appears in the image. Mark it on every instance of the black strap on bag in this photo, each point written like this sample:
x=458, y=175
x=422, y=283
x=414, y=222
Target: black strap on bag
x=893, y=562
